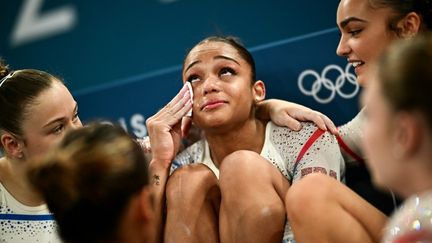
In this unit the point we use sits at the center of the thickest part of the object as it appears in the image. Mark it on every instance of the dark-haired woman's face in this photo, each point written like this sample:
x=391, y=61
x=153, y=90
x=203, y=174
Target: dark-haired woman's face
x=364, y=34
x=52, y=113
x=222, y=85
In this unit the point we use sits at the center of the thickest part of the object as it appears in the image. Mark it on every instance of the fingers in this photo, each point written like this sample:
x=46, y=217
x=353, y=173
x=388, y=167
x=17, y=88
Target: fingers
x=171, y=114
x=185, y=125
x=321, y=120
x=330, y=125
x=183, y=91
x=178, y=101
x=289, y=122
x=289, y=114
x=176, y=108
x=316, y=118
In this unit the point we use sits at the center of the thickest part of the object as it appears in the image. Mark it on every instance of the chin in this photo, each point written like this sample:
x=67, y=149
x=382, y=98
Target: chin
x=378, y=183
x=215, y=125
x=361, y=80
x=210, y=123
x=382, y=182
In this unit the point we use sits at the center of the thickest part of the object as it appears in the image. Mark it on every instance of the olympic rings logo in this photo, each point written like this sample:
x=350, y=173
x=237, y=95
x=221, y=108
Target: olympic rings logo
x=321, y=81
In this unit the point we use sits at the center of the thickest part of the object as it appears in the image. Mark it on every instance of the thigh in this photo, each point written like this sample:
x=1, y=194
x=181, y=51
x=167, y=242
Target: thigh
x=319, y=205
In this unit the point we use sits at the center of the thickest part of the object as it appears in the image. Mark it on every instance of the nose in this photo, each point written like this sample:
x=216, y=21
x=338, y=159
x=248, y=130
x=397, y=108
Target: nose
x=343, y=48
x=211, y=84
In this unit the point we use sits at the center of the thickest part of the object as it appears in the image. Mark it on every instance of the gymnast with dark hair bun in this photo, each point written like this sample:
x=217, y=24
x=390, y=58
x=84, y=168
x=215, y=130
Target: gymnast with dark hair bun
x=96, y=183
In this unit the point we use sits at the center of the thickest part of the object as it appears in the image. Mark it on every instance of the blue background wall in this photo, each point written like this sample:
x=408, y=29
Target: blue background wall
x=121, y=59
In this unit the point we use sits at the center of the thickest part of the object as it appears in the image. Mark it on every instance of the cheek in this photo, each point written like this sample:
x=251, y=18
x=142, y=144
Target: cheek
x=380, y=44
x=373, y=140
x=377, y=147
x=241, y=89
x=369, y=139
x=39, y=146
x=387, y=175
x=197, y=101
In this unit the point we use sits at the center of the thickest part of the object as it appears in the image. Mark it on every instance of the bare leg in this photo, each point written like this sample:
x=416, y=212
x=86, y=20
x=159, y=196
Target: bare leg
x=322, y=209
x=252, y=208
x=193, y=201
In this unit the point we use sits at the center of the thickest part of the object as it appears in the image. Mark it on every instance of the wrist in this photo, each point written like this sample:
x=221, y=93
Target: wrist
x=159, y=165
x=159, y=174
x=262, y=110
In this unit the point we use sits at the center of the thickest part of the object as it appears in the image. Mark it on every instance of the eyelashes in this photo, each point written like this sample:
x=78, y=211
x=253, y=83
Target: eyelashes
x=355, y=32
x=226, y=71
x=193, y=78
x=223, y=72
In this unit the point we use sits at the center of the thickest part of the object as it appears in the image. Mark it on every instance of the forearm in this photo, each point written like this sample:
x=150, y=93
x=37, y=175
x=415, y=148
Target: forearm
x=263, y=110
x=159, y=174
x=285, y=113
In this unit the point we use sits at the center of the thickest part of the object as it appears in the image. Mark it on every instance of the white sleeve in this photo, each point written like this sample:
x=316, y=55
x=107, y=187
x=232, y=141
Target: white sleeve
x=191, y=154
x=352, y=135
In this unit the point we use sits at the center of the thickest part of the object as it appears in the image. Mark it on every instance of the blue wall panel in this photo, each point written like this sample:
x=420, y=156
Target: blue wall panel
x=121, y=59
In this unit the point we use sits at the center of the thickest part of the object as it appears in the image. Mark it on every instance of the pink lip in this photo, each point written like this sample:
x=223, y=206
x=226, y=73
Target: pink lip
x=210, y=105
x=358, y=68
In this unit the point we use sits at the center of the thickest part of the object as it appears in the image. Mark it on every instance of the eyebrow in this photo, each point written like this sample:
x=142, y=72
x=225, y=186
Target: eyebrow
x=345, y=22
x=214, y=58
x=226, y=58
x=61, y=118
x=191, y=65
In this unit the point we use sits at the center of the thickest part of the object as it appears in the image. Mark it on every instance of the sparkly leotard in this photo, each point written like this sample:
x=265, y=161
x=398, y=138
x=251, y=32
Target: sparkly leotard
x=282, y=147
x=21, y=224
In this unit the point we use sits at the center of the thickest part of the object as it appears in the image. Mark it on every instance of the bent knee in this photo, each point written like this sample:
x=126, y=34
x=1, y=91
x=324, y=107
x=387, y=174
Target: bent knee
x=242, y=161
x=188, y=180
x=241, y=167
x=310, y=191
x=238, y=159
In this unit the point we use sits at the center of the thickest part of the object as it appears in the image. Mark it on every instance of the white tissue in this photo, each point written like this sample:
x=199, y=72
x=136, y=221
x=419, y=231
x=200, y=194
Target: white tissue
x=188, y=84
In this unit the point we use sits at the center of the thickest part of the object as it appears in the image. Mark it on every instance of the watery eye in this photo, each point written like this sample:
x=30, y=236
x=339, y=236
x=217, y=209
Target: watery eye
x=226, y=71
x=193, y=78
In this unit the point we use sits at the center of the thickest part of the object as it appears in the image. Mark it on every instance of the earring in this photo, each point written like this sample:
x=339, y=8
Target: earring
x=20, y=155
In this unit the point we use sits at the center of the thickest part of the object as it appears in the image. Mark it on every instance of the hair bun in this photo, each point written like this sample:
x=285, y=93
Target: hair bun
x=424, y=8
x=4, y=69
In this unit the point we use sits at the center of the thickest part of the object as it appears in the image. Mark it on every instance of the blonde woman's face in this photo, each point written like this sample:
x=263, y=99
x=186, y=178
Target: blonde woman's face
x=53, y=112
x=379, y=145
x=365, y=35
